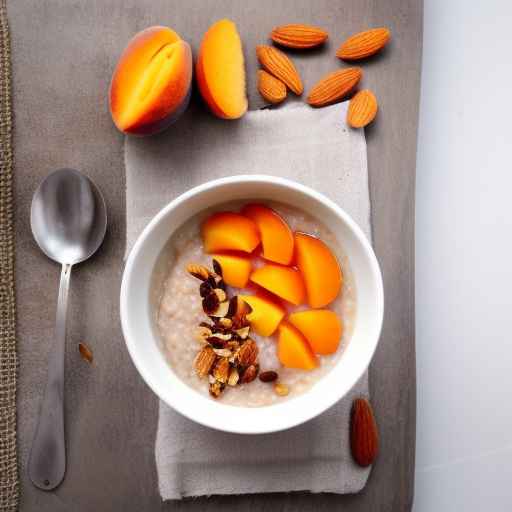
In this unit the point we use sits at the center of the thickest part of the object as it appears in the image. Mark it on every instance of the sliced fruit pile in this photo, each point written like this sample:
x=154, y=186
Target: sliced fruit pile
x=296, y=269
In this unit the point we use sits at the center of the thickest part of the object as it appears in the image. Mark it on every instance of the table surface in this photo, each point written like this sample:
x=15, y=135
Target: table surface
x=63, y=56
x=463, y=255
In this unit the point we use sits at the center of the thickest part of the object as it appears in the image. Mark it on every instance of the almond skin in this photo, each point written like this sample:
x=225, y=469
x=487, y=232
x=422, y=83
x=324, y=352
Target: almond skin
x=364, y=436
x=364, y=44
x=334, y=86
x=279, y=65
x=362, y=109
x=270, y=87
x=299, y=36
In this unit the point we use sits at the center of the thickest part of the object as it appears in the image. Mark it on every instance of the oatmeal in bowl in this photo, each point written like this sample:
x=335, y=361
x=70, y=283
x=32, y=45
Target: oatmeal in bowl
x=251, y=304
x=242, y=314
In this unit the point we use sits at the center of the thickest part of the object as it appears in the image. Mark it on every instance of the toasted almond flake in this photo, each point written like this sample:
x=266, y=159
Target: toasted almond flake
x=243, y=332
x=198, y=271
x=202, y=333
x=222, y=310
x=85, y=352
x=221, y=370
x=223, y=352
x=224, y=337
x=233, y=378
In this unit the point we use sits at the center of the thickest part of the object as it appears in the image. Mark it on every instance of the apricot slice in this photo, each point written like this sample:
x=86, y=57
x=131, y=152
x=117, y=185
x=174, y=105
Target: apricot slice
x=228, y=231
x=151, y=84
x=235, y=269
x=293, y=350
x=276, y=236
x=265, y=315
x=319, y=268
x=285, y=282
x=321, y=327
x=220, y=71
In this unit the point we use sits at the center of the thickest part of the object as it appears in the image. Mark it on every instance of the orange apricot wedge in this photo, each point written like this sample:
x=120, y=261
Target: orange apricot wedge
x=285, y=282
x=266, y=314
x=276, y=236
x=321, y=327
x=293, y=350
x=220, y=71
x=228, y=231
x=319, y=268
x=236, y=269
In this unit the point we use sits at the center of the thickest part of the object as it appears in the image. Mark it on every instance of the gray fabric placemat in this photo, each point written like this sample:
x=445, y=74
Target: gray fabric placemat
x=8, y=354
x=316, y=148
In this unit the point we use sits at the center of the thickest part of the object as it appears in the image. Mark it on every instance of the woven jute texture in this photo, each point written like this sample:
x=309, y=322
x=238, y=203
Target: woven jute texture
x=8, y=357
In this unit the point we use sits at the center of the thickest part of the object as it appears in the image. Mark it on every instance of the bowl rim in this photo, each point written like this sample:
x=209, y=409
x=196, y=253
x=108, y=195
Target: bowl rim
x=199, y=189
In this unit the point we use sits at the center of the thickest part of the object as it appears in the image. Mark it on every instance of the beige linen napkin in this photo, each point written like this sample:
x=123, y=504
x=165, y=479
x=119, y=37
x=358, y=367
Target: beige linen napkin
x=313, y=147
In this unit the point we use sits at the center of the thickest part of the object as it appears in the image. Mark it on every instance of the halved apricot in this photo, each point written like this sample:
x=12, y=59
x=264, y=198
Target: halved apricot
x=319, y=268
x=285, y=282
x=321, y=327
x=293, y=350
x=276, y=236
x=236, y=269
x=266, y=314
x=152, y=81
x=228, y=231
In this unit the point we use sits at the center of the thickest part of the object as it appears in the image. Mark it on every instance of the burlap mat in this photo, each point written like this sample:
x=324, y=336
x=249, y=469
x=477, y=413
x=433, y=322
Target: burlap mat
x=8, y=356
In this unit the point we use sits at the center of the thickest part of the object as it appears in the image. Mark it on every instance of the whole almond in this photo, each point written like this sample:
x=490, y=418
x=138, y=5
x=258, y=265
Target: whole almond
x=279, y=65
x=364, y=436
x=297, y=35
x=334, y=86
x=271, y=88
x=362, y=109
x=364, y=44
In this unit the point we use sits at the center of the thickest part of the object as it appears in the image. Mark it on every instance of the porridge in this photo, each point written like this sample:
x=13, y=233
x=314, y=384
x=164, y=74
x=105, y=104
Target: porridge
x=251, y=313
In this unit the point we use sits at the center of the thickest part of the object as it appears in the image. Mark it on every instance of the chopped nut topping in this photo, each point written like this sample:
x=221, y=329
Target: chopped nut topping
x=221, y=295
x=205, y=289
x=281, y=389
x=268, y=376
x=221, y=310
x=221, y=370
x=248, y=353
x=204, y=361
x=216, y=388
x=223, y=336
x=216, y=342
x=230, y=356
x=222, y=352
x=211, y=303
x=202, y=333
x=250, y=374
x=198, y=271
x=243, y=333
x=227, y=323
x=216, y=267
x=233, y=378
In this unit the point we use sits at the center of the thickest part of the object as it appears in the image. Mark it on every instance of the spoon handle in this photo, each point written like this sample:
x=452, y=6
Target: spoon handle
x=47, y=463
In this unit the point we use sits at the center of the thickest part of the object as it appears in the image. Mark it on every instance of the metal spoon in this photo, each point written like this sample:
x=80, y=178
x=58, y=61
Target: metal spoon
x=68, y=219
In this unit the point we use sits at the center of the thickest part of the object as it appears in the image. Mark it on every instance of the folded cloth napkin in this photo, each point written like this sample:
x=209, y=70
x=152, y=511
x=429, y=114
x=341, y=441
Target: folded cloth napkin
x=313, y=147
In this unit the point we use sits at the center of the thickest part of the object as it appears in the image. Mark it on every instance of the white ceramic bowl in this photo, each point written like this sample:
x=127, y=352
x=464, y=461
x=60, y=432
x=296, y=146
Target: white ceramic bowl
x=138, y=314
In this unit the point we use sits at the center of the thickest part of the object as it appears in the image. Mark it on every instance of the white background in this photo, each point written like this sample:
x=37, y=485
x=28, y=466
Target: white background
x=464, y=259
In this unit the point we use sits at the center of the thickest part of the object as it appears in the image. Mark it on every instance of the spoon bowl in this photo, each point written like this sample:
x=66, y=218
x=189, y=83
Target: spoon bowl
x=68, y=217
